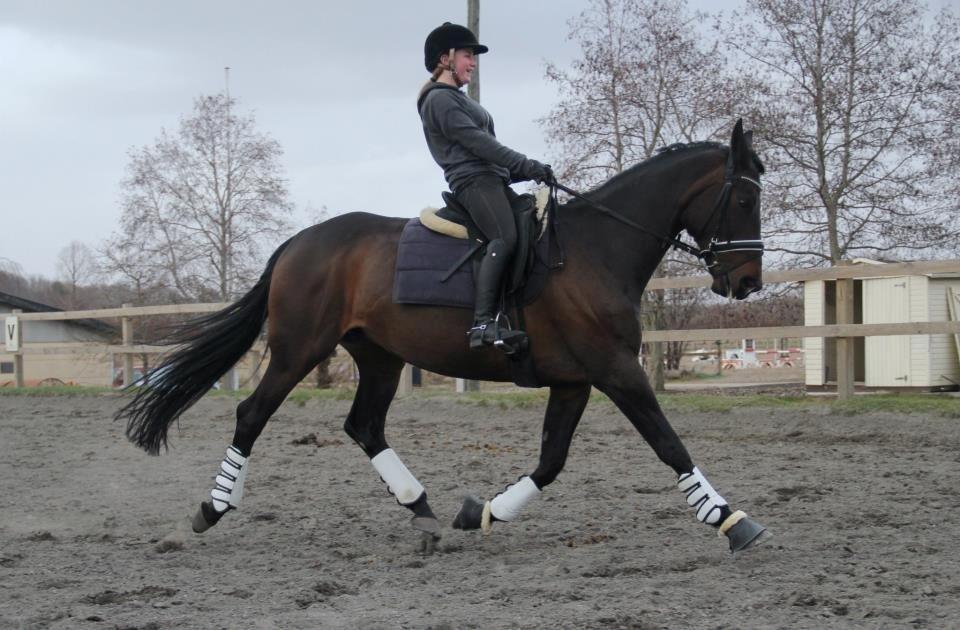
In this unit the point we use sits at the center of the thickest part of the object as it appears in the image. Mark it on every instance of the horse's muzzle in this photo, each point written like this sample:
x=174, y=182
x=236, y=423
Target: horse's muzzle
x=748, y=285
x=740, y=282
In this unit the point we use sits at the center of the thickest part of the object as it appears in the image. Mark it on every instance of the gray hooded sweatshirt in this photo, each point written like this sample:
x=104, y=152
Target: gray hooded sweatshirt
x=461, y=139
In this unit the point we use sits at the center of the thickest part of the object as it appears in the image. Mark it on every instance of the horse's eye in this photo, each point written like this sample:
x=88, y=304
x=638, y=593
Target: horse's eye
x=744, y=203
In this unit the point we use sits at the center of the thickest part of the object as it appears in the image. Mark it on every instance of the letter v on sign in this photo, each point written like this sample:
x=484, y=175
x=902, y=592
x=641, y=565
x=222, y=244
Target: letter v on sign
x=11, y=334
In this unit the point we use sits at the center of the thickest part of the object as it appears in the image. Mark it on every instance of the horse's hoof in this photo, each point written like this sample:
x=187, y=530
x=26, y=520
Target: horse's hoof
x=427, y=525
x=428, y=543
x=747, y=533
x=470, y=514
x=206, y=517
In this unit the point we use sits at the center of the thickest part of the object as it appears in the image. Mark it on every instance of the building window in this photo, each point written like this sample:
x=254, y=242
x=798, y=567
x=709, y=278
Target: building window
x=6, y=367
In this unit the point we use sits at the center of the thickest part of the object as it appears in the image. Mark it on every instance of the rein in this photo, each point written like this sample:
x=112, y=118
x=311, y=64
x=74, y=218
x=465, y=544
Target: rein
x=676, y=243
x=709, y=255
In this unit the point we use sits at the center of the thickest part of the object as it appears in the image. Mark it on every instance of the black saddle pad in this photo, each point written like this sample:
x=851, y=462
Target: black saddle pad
x=424, y=258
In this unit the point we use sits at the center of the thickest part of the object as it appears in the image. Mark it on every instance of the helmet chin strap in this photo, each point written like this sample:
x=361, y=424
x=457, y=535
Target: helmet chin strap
x=453, y=69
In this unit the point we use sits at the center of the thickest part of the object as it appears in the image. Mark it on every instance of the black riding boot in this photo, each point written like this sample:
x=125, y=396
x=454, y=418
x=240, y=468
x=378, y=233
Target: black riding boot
x=485, y=330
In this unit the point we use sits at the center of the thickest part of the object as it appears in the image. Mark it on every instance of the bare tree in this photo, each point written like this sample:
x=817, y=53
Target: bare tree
x=76, y=265
x=10, y=266
x=201, y=205
x=123, y=257
x=849, y=100
x=645, y=79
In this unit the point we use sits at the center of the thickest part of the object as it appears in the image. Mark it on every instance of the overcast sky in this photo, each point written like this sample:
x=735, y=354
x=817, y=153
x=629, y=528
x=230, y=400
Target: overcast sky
x=83, y=82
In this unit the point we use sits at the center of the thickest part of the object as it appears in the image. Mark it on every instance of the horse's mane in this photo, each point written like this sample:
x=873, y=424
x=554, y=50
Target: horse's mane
x=665, y=155
x=707, y=144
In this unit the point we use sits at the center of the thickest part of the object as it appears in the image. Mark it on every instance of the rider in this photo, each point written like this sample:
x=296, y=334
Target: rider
x=477, y=167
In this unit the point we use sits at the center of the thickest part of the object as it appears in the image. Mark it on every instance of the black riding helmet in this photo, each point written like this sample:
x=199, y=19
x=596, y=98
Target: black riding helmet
x=447, y=36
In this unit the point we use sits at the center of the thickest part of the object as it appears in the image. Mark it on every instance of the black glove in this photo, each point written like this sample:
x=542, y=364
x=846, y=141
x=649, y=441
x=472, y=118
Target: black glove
x=538, y=171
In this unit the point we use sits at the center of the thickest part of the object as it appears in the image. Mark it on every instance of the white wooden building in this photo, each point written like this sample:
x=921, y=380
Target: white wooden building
x=65, y=367
x=924, y=362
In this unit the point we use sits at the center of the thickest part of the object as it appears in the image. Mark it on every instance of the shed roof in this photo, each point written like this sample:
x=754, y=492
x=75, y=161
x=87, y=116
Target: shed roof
x=29, y=306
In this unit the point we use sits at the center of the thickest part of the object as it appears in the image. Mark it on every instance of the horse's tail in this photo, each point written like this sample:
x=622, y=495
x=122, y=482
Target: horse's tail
x=209, y=346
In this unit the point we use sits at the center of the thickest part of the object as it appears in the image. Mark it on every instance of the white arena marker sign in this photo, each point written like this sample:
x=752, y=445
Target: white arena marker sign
x=11, y=334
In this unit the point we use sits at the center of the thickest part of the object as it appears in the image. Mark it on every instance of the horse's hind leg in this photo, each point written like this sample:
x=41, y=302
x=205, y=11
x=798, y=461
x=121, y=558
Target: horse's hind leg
x=629, y=389
x=287, y=367
x=564, y=410
x=379, y=378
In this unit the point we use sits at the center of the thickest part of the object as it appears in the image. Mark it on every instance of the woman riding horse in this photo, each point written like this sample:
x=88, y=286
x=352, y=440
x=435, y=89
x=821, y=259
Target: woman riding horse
x=331, y=284
x=477, y=167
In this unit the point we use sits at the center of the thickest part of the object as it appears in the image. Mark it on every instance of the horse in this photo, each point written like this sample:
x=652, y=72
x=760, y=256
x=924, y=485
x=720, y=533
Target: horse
x=332, y=284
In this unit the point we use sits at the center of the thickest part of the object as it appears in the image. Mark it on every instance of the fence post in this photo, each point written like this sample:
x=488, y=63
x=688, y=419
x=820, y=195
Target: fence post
x=406, y=381
x=466, y=385
x=126, y=331
x=253, y=380
x=845, y=345
x=18, y=356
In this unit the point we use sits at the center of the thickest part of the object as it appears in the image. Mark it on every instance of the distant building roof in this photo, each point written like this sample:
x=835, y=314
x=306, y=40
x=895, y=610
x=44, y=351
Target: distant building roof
x=29, y=306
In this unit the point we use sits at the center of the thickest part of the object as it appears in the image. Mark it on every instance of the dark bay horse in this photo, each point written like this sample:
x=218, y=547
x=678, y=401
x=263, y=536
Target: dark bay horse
x=332, y=284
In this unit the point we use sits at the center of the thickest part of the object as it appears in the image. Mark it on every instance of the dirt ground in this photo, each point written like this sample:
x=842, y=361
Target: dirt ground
x=95, y=534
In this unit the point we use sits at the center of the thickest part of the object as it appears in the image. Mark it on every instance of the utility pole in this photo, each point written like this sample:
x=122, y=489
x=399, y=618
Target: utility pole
x=473, y=91
x=473, y=23
x=230, y=378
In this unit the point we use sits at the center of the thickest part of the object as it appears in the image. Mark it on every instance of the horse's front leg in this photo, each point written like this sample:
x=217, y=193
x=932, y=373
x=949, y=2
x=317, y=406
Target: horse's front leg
x=629, y=389
x=564, y=410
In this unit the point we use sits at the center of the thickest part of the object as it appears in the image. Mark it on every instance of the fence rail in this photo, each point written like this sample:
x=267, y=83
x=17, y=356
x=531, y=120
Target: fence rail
x=126, y=311
x=844, y=330
x=783, y=332
x=840, y=272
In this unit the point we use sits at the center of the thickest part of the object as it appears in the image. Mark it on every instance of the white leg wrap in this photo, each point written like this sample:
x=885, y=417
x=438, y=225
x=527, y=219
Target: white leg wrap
x=701, y=496
x=228, y=489
x=507, y=505
x=399, y=480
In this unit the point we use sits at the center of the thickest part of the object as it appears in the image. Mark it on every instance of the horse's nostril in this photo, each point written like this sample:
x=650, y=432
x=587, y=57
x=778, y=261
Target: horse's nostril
x=750, y=285
x=754, y=284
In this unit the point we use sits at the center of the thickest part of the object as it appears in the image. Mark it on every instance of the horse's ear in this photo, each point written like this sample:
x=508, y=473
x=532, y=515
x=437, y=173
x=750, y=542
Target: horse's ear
x=740, y=144
x=736, y=138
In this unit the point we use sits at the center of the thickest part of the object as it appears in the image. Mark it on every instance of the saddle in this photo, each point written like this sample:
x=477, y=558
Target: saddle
x=454, y=220
x=434, y=252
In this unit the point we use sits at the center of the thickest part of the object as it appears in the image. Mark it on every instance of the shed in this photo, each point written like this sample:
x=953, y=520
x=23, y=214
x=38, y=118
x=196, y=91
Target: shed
x=63, y=366
x=918, y=362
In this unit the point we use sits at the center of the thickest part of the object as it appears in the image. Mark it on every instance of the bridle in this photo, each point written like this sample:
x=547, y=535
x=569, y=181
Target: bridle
x=710, y=255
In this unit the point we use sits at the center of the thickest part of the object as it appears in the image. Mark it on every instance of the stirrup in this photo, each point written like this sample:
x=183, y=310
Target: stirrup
x=506, y=340
x=511, y=342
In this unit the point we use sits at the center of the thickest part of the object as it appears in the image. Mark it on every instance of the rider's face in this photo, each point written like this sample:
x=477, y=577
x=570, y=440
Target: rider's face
x=465, y=62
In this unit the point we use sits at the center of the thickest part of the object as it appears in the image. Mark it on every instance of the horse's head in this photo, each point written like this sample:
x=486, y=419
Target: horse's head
x=725, y=221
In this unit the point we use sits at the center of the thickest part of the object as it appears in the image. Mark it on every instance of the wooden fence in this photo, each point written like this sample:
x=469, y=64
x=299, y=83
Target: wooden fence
x=844, y=330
